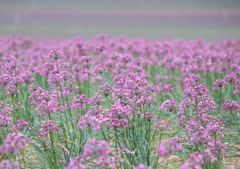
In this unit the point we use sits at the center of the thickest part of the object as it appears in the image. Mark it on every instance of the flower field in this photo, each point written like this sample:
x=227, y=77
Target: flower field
x=119, y=103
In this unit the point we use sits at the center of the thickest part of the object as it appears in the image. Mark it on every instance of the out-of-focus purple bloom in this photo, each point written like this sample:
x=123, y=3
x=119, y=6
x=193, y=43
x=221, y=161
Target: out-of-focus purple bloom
x=94, y=148
x=13, y=143
x=55, y=54
x=169, y=106
x=47, y=127
x=147, y=116
x=142, y=166
x=5, y=164
x=229, y=105
x=20, y=125
x=194, y=162
x=166, y=147
x=219, y=84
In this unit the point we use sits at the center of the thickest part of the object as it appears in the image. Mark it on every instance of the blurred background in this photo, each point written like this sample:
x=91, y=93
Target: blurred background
x=212, y=20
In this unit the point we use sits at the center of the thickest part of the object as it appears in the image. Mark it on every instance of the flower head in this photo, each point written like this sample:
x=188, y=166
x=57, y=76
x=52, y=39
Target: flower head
x=55, y=54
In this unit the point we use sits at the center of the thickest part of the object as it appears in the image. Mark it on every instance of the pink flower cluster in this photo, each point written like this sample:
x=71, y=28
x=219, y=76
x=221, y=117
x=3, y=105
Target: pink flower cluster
x=47, y=127
x=166, y=147
x=13, y=143
x=94, y=148
x=5, y=164
x=229, y=105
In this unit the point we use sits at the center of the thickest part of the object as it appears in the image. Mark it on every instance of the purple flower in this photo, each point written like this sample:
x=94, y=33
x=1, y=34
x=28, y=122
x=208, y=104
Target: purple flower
x=86, y=59
x=13, y=143
x=100, y=69
x=164, y=88
x=106, y=90
x=229, y=105
x=161, y=124
x=46, y=128
x=117, y=116
x=167, y=147
x=5, y=121
x=232, y=78
x=169, y=106
x=124, y=149
x=126, y=58
x=20, y=125
x=237, y=90
x=94, y=148
x=160, y=78
x=5, y=164
x=55, y=54
x=219, y=84
x=147, y=101
x=148, y=116
x=92, y=121
x=142, y=166
x=80, y=102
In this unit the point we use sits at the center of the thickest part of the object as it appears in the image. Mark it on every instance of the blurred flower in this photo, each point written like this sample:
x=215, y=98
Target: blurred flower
x=55, y=54
x=13, y=143
x=166, y=147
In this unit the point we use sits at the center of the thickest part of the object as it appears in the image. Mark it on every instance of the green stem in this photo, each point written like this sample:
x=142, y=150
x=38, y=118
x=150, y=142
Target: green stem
x=235, y=121
x=149, y=135
x=103, y=134
x=220, y=96
x=54, y=153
